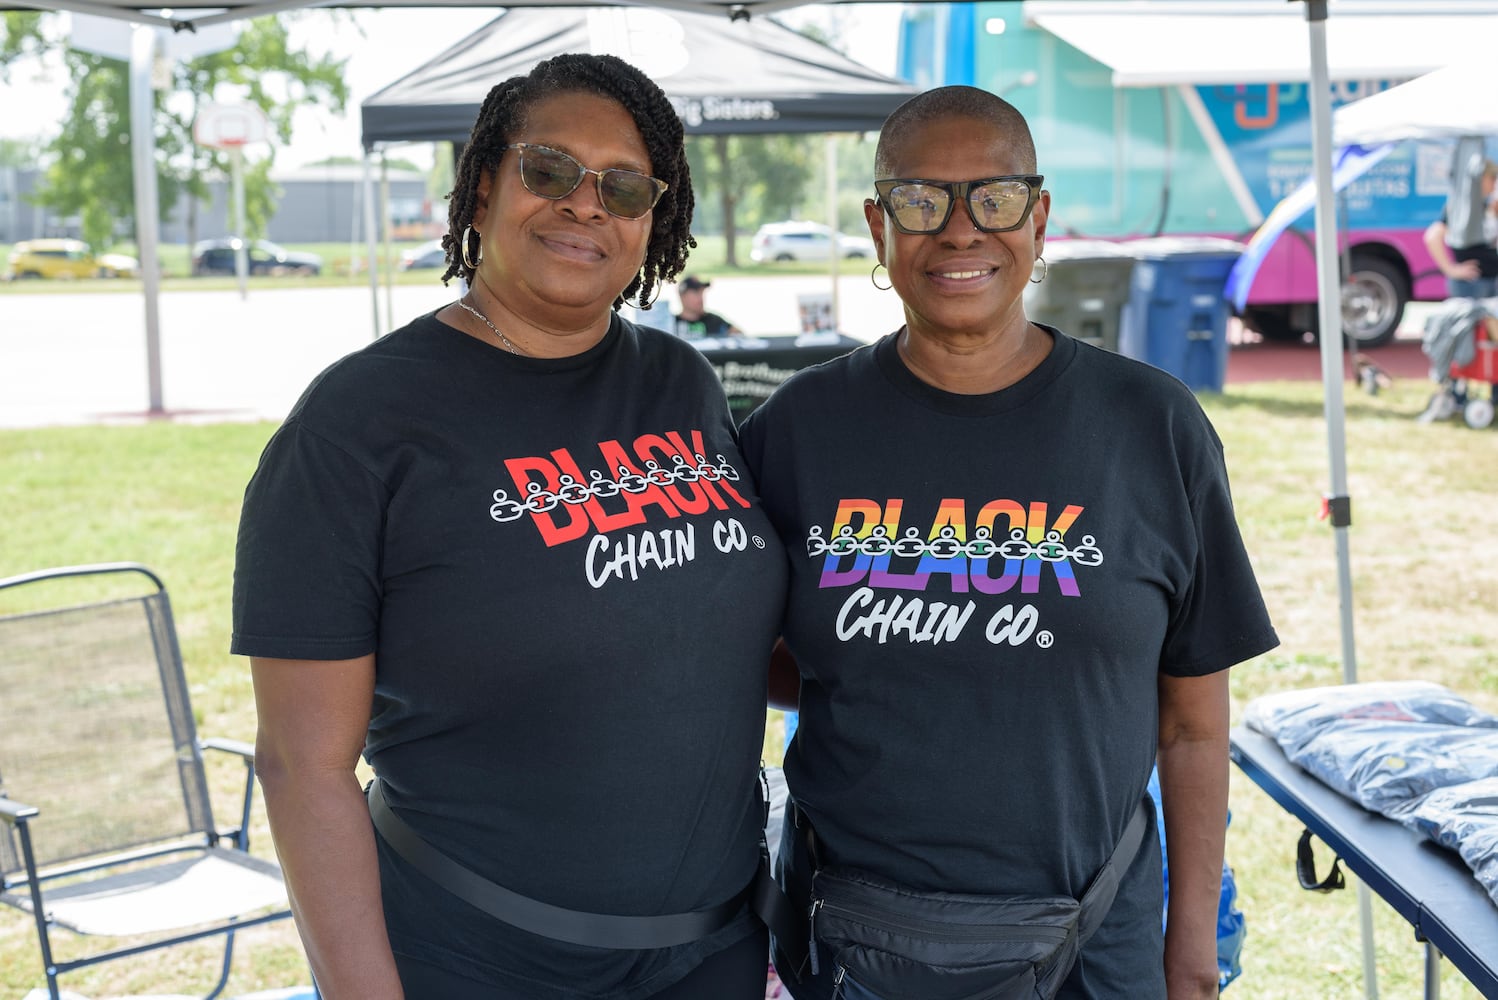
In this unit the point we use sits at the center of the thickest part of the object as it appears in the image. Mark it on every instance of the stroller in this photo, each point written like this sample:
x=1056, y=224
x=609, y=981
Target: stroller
x=1461, y=341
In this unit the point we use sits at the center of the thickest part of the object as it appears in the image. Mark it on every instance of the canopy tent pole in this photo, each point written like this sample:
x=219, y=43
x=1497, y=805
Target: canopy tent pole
x=1329, y=286
x=369, y=244
x=147, y=212
x=385, y=241
x=834, y=257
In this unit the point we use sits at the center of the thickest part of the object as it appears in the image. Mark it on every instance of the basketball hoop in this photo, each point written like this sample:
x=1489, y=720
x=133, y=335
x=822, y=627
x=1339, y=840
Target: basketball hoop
x=230, y=126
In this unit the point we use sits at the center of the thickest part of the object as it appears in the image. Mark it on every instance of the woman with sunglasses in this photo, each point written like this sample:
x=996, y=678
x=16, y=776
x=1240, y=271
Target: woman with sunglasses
x=1016, y=579
x=509, y=554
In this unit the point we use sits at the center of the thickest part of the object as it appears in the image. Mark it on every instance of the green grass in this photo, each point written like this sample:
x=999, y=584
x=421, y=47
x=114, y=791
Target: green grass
x=1424, y=559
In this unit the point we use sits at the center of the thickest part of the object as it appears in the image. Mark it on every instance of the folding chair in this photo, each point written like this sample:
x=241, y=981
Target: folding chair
x=107, y=827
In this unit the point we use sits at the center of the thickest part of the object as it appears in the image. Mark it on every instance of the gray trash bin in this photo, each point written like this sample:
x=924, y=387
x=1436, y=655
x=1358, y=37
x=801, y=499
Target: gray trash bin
x=1085, y=289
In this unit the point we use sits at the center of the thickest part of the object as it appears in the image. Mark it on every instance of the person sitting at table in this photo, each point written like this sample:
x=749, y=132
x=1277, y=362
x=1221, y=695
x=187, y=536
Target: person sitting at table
x=693, y=320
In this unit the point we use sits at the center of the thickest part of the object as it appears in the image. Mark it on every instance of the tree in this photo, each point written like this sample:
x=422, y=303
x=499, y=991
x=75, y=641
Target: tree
x=91, y=173
x=759, y=176
x=20, y=35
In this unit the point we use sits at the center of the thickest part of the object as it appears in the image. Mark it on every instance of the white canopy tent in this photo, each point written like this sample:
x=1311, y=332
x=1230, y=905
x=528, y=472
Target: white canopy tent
x=1162, y=43
x=1457, y=100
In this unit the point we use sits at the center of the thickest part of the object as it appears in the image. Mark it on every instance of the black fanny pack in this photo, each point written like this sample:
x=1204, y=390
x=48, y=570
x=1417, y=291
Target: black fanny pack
x=888, y=941
x=597, y=930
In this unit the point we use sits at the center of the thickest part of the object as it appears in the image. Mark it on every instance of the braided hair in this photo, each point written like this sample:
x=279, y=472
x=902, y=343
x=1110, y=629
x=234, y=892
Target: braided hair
x=503, y=115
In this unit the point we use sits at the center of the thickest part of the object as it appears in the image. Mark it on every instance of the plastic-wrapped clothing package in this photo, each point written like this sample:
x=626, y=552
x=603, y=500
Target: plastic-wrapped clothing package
x=1465, y=819
x=1230, y=922
x=1384, y=765
x=1292, y=718
x=1416, y=752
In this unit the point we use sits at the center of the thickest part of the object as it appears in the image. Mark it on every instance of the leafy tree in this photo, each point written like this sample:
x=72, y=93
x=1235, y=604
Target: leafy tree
x=91, y=173
x=759, y=177
x=440, y=180
x=20, y=35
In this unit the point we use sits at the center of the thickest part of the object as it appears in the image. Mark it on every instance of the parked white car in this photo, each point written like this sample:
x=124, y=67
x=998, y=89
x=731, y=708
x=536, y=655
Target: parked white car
x=804, y=241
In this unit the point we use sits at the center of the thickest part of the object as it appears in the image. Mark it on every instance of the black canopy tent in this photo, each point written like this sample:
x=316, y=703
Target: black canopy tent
x=725, y=77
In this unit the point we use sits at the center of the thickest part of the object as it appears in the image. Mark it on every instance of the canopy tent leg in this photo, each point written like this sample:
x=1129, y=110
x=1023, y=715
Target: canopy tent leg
x=1329, y=281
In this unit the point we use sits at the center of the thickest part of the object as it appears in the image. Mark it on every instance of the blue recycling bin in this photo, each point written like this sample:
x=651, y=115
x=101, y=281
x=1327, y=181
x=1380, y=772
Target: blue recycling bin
x=1176, y=317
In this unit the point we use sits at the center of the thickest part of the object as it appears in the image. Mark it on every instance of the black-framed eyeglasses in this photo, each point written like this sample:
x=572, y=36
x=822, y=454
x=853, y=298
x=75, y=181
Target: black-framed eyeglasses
x=995, y=204
x=551, y=174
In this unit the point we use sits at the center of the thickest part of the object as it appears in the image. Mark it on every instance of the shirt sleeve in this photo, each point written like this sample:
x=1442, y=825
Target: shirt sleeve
x=307, y=581
x=1220, y=618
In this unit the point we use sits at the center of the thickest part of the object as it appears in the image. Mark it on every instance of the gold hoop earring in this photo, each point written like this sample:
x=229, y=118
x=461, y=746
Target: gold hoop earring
x=471, y=264
x=1045, y=269
x=874, y=279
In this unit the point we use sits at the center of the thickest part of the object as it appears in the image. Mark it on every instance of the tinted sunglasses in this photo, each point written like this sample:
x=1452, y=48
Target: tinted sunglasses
x=551, y=174
x=995, y=204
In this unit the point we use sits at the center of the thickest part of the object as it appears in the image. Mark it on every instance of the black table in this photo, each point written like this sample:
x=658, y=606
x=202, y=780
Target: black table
x=751, y=367
x=1426, y=884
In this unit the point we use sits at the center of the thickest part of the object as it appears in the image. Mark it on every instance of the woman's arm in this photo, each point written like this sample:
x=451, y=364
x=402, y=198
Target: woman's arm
x=314, y=715
x=1193, y=761
x=1435, y=245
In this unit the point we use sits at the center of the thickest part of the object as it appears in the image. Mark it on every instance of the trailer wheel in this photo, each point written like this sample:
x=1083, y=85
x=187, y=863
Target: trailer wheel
x=1373, y=300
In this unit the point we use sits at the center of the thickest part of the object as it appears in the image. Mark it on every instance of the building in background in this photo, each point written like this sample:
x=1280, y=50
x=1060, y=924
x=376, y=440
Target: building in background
x=317, y=205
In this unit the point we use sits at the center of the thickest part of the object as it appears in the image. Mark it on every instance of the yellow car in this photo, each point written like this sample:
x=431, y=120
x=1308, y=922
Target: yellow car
x=66, y=259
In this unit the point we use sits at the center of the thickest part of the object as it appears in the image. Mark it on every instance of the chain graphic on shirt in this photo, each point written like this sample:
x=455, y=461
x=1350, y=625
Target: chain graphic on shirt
x=946, y=545
x=643, y=518
x=540, y=500
x=898, y=578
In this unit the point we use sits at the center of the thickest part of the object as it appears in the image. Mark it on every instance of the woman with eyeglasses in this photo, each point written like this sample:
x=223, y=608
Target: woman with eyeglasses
x=1016, y=581
x=509, y=555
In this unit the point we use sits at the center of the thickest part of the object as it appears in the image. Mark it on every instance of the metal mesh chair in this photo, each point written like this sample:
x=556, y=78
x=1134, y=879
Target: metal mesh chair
x=105, y=822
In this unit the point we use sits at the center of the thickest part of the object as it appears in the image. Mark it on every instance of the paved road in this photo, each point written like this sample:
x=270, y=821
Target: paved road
x=71, y=358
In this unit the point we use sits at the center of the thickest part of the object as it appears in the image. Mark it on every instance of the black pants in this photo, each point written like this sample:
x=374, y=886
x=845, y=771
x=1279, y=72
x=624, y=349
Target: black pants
x=735, y=973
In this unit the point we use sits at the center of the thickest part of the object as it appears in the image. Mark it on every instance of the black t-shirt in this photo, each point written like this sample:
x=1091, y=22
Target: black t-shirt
x=709, y=324
x=572, y=594
x=1485, y=253
x=984, y=592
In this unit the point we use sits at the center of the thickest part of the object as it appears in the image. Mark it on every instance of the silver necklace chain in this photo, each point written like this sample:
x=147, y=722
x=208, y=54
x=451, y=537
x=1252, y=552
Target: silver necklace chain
x=485, y=319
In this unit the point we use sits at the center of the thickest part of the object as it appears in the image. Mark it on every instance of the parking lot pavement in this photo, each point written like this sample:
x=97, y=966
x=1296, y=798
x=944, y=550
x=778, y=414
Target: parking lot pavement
x=68, y=359
x=73, y=359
